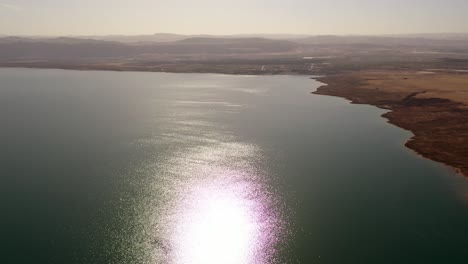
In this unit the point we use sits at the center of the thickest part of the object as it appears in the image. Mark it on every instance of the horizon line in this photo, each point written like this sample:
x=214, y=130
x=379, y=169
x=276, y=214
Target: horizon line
x=235, y=34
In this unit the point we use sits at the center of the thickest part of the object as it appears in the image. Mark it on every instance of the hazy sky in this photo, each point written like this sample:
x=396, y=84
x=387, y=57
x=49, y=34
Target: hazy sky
x=90, y=17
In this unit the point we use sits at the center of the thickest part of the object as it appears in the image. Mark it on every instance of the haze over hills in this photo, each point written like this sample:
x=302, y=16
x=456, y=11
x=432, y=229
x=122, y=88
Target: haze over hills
x=170, y=37
x=75, y=48
x=238, y=53
x=249, y=43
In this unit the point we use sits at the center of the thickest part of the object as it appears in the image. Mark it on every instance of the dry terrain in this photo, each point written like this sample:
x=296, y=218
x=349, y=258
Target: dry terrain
x=433, y=104
x=423, y=79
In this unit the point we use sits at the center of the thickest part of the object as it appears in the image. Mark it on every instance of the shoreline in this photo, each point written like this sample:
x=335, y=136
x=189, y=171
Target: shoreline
x=168, y=72
x=279, y=67
x=404, y=108
x=434, y=122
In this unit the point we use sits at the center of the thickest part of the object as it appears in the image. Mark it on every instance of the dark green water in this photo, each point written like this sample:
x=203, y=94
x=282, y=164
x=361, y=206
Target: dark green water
x=102, y=167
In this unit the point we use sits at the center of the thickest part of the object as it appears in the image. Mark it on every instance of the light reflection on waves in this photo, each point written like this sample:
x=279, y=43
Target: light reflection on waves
x=215, y=208
x=219, y=223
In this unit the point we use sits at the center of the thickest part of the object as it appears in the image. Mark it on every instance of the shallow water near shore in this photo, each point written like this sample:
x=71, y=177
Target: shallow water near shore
x=105, y=167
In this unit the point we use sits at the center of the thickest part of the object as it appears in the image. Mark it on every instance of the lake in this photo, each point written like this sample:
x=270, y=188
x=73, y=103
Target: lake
x=114, y=167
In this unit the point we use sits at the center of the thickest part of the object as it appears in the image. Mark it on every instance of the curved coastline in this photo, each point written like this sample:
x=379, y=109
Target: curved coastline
x=439, y=125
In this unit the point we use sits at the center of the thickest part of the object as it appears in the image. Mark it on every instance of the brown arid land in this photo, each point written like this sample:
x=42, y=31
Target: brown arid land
x=422, y=80
x=432, y=104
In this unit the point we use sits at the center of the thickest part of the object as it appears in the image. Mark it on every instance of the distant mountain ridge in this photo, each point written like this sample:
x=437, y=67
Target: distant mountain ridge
x=175, y=47
x=77, y=48
x=170, y=37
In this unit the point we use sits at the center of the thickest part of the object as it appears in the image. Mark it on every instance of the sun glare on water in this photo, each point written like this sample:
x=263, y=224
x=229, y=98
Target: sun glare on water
x=218, y=224
x=219, y=209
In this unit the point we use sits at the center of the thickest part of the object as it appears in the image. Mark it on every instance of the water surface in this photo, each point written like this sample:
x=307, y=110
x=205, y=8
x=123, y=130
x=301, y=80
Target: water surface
x=103, y=167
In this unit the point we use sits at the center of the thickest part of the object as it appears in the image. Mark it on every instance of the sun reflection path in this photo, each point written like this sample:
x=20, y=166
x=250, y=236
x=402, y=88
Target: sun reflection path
x=222, y=223
x=216, y=206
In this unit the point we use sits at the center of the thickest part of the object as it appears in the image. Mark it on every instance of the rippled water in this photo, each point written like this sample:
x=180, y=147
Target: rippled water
x=102, y=167
x=211, y=204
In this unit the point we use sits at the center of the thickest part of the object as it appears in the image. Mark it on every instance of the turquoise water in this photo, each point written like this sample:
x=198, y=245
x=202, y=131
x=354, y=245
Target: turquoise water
x=104, y=167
